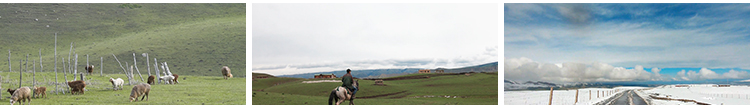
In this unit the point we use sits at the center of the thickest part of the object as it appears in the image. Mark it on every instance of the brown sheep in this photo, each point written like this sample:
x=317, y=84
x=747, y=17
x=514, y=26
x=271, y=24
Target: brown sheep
x=90, y=69
x=10, y=91
x=151, y=79
x=22, y=94
x=140, y=90
x=175, y=78
x=77, y=86
x=40, y=92
x=226, y=72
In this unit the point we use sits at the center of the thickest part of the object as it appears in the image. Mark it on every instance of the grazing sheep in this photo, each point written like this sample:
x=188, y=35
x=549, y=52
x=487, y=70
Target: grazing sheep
x=77, y=86
x=116, y=83
x=226, y=72
x=11, y=91
x=140, y=90
x=40, y=92
x=151, y=79
x=167, y=79
x=176, y=77
x=90, y=69
x=22, y=94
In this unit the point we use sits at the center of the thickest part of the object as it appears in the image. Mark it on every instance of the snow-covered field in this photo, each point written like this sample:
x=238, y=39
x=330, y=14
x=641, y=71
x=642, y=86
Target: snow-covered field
x=705, y=93
x=560, y=97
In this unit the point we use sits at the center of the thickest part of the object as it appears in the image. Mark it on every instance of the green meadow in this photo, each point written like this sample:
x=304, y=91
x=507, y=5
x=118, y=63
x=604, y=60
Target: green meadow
x=191, y=90
x=475, y=89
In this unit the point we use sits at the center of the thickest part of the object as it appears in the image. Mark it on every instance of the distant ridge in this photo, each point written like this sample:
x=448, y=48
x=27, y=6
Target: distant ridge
x=382, y=73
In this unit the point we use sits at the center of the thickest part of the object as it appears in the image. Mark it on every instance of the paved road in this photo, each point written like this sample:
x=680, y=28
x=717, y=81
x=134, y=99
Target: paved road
x=626, y=98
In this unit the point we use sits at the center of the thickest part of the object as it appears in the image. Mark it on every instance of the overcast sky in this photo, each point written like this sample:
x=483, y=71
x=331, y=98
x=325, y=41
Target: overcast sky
x=303, y=38
x=626, y=42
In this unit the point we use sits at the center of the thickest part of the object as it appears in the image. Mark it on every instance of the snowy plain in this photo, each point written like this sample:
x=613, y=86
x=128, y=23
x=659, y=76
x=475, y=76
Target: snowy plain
x=705, y=93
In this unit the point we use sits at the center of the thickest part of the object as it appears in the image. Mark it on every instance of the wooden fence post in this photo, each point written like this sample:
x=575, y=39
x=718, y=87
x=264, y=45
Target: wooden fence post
x=550, y=95
x=576, y=96
x=589, y=94
x=597, y=93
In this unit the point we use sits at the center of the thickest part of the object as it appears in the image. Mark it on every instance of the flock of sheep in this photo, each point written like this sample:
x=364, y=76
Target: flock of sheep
x=23, y=94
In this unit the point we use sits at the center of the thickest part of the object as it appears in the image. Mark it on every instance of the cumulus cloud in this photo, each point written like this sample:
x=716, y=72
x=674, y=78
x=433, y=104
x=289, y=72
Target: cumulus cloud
x=705, y=74
x=525, y=69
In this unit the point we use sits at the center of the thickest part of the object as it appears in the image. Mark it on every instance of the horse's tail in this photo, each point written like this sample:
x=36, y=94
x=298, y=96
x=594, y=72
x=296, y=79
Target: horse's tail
x=332, y=98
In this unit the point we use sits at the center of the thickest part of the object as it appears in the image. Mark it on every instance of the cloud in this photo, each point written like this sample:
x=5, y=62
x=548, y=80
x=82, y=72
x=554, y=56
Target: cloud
x=707, y=74
x=735, y=74
x=688, y=35
x=577, y=14
x=525, y=69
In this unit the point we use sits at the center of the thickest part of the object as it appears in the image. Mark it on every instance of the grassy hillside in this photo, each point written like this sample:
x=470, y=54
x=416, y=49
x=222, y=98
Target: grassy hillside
x=192, y=90
x=477, y=88
x=194, y=39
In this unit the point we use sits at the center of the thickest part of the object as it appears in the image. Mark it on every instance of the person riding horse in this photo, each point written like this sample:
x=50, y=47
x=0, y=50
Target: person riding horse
x=348, y=81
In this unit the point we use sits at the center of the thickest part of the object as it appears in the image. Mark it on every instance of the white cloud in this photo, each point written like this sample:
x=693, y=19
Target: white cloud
x=525, y=69
x=325, y=37
x=705, y=74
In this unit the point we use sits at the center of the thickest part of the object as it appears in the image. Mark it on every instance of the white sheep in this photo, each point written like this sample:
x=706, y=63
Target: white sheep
x=117, y=83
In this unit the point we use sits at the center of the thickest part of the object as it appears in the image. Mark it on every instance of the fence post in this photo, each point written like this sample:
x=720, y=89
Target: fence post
x=597, y=93
x=576, y=96
x=589, y=94
x=550, y=95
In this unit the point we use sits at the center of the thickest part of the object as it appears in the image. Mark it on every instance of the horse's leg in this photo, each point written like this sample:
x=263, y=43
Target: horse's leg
x=340, y=101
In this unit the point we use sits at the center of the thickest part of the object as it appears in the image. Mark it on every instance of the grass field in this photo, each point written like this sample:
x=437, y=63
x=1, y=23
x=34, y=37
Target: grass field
x=477, y=88
x=194, y=38
x=194, y=90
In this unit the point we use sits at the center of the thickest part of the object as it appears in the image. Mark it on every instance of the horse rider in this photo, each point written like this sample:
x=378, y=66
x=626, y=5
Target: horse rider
x=348, y=81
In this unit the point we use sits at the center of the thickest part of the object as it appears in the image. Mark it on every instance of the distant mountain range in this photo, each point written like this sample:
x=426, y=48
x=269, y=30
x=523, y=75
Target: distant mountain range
x=382, y=73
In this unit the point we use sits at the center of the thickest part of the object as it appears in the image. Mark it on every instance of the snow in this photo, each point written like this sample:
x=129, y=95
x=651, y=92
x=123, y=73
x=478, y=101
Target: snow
x=559, y=97
x=705, y=93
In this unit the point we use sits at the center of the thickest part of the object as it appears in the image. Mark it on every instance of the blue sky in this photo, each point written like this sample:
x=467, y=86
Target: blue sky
x=711, y=40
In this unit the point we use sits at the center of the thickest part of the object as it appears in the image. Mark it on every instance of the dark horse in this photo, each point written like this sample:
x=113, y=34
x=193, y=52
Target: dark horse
x=342, y=93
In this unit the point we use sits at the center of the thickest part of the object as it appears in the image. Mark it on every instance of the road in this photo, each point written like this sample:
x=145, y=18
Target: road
x=626, y=98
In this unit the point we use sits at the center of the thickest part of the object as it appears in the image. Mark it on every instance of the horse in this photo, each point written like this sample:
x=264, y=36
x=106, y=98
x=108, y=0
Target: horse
x=342, y=94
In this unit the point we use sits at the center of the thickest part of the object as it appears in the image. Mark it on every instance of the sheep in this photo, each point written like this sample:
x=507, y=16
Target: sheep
x=21, y=94
x=40, y=92
x=90, y=69
x=116, y=83
x=151, y=79
x=77, y=86
x=167, y=79
x=176, y=77
x=10, y=91
x=140, y=90
x=226, y=72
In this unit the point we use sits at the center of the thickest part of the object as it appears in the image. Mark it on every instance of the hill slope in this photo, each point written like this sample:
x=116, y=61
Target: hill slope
x=382, y=73
x=194, y=39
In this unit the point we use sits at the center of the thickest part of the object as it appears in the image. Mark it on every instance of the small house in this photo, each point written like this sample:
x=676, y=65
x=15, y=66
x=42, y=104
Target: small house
x=325, y=76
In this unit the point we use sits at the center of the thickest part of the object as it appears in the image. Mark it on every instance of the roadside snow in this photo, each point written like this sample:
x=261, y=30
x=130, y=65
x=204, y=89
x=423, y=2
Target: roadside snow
x=706, y=93
x=560, y=97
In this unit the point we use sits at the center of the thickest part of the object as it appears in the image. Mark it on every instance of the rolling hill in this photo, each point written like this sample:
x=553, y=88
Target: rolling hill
x=382, y=73
x=194, y=39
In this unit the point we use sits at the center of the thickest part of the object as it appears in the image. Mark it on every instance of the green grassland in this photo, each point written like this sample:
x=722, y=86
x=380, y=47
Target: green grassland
x=192, y=90
x=478, y=88
x=194, y=39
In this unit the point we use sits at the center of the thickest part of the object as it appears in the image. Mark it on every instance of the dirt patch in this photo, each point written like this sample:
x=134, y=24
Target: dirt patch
x=400, y=96
x=382, y=95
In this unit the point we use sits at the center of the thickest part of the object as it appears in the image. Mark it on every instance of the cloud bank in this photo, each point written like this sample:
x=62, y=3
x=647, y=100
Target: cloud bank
x=525, y=69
